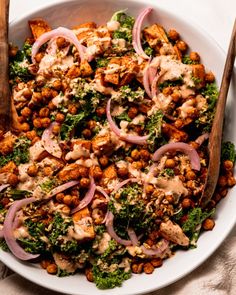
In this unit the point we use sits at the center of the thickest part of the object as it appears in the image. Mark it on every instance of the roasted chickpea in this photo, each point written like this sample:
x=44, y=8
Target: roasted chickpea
x=190, y=175
x=231, y=181
x=61, y=42
x=67, y=200
x=51, y=106
x=26, y=112
x=173, y=35
x=45, y=122
x=86, y=133
x=89, y=274
x=104, y=160
x=74, y=174
x=60, y=118
x=60, y=197
x=148, y=268
x=54, y=93
x=132, y=112
x=228, y=165
x=37, y=97
x=223, y=192
x=170, y=163
x=208, y=224
x=27, y=93
x=57, y=85
x=170, y=199
x=137, y=267
x=65, y=210
x=144, y=154
x=149, y=189
x=44, y=112
x=209, y=77
x=101, y=111
x=56, y=129
x=45, y=263
x=32, y=170
x=222, y=181
x=156, y=262
x=13, y=179
x=39, y=56
x=194, y=56
x=167, y=91
x=72, y=109
x=25, y=127
x=91, y=124
x=182, y=46
x=186, y=203
x=37, y=123
x=84, y=182
x=52, y=269
x=135, y=154
x=46, y=93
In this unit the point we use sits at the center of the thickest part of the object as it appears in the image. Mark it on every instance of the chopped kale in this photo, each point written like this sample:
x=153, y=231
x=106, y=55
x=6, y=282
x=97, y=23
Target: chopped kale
x=154, y=126
x=108, y=280
x=16, y=194
x=70, y=123
x=195, y=218
x=48, y=185
x=124, y=116
x=188, y=61
x=62, y=273
x=102, y=62
x=3, y=245
x=228, y=151
x=126, y=93
x=170, y=83
x=167, y=173
x=99, y=229
x=126, y=25
x=20, y=154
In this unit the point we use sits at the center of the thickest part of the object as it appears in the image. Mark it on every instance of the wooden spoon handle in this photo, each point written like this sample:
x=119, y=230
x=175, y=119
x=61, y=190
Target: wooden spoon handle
x=5, y=102
x=217, y=127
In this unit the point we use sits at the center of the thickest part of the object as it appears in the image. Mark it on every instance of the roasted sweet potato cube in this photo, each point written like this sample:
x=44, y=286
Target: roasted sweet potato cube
x=173, y=133
x=85, y=69
x=69, y=172
x=155, y=34
x=112, y=78
x=7, y=144
x=73, y=72
x=110, y=172
x=102, y=144
x=84, y=143
x=83, y=225
x=10, y=167
x=38, y=27
x=90, y=25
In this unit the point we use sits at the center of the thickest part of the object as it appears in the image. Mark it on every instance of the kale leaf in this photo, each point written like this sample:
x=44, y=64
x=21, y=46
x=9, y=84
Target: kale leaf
x=108, y=280
x=70, y=123
x=188, y=61
x=154, y=126
x=228, y=151
x=20, y=154
x=48, y=185
x=126, y=25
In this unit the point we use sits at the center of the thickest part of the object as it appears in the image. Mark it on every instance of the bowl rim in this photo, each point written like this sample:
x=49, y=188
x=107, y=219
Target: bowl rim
x=199, y=30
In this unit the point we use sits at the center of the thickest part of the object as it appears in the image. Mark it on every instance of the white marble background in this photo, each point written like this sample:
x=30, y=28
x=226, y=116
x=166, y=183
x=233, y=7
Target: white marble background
x=217, y=276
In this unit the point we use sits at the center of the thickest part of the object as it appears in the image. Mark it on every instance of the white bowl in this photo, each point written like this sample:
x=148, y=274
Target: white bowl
x=68, y=14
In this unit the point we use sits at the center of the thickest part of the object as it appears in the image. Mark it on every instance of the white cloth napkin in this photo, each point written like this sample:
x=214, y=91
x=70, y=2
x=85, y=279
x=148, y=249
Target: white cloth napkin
x=217, y=276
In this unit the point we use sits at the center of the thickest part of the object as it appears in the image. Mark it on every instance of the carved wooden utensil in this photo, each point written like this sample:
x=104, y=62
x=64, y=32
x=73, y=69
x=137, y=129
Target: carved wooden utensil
x=5, y=99
x=214, y=145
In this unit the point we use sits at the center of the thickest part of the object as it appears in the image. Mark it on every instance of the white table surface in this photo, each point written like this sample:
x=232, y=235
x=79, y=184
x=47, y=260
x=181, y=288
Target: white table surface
x=214, y=16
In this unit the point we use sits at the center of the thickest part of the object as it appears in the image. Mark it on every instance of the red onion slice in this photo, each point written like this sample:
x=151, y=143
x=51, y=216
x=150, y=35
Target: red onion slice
x=133, y=237
x=62, y=188
x=8, y=230
x=146, y=79
x=202, y=138
x=154, y=87
x=112, y=233
x=126, y=137
x=158, y=252
x=182, y=147
x=136, y=33
x=51, y=145
x=59, y=32
x=88, y=197
x=101, y=190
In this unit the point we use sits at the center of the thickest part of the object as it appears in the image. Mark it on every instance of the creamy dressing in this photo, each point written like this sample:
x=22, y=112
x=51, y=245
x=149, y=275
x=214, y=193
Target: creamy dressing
x=82, y=229
x=103, y=243
x=113, y=25
x=186, y=108
x=78, y=152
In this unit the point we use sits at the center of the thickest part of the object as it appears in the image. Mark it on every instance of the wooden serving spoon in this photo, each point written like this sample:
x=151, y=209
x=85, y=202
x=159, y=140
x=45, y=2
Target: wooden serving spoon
x=5, y=99
x=214, y=145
